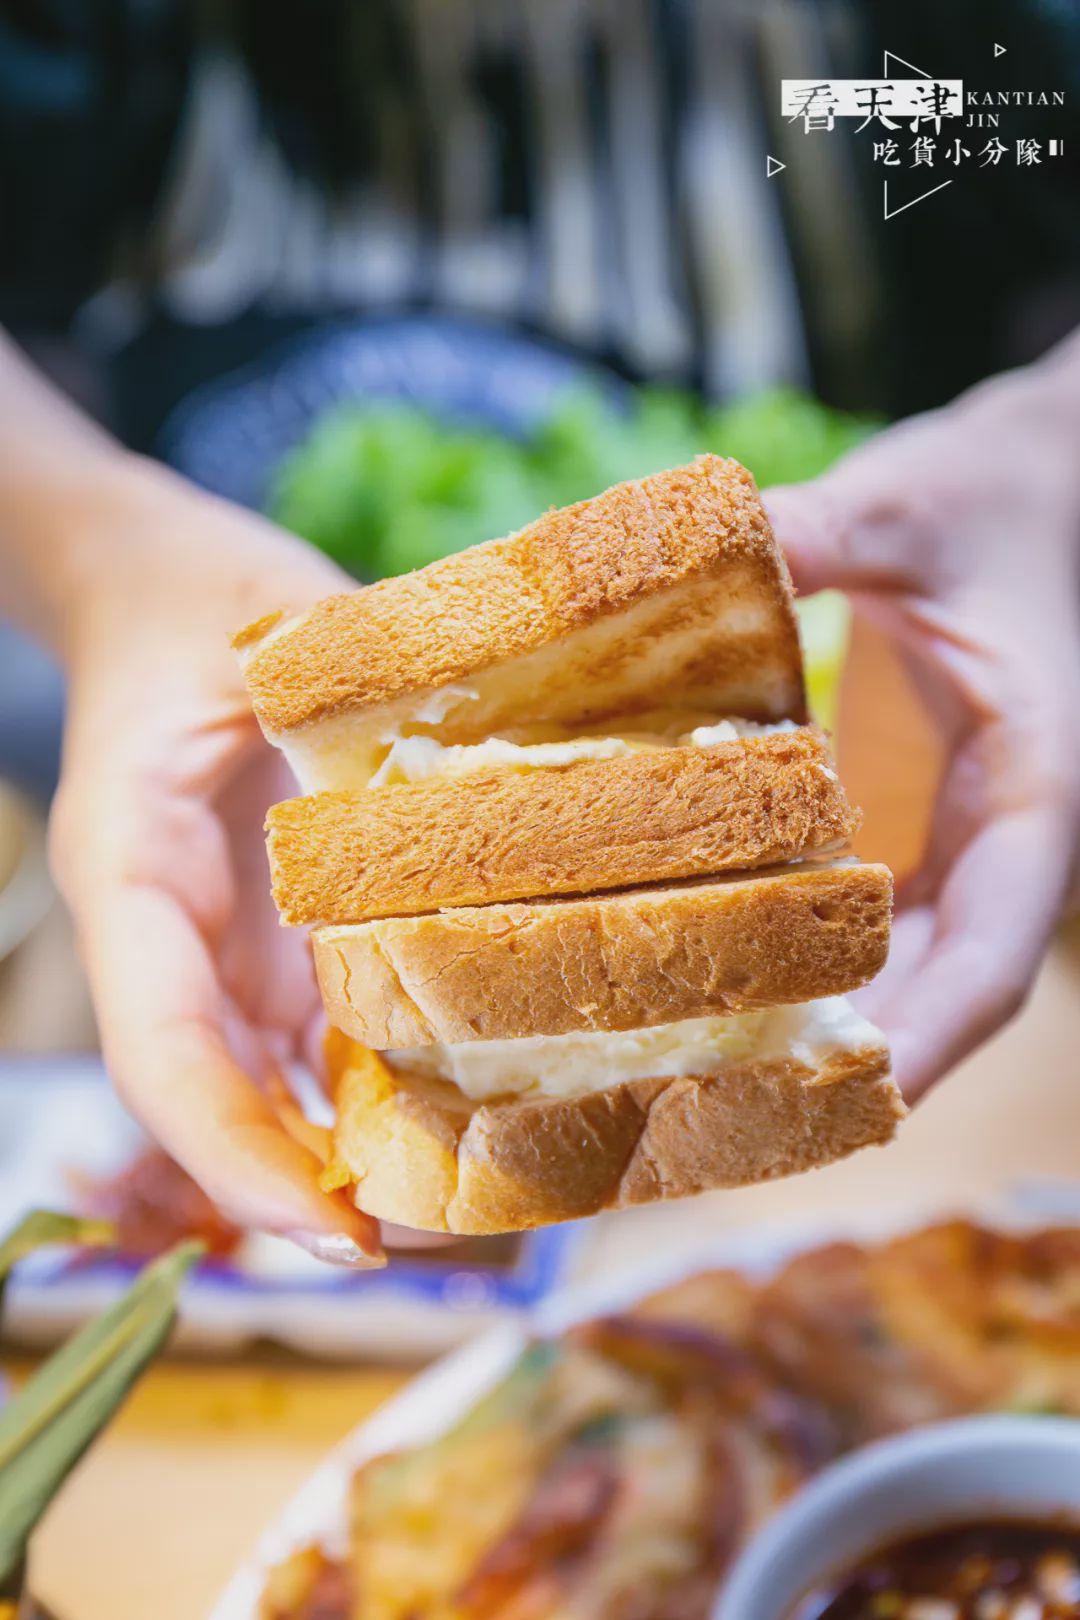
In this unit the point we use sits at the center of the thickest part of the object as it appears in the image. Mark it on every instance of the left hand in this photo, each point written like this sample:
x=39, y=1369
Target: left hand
x=157, y=843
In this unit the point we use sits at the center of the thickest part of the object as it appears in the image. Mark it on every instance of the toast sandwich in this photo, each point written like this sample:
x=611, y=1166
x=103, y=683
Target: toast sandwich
x=576, y=867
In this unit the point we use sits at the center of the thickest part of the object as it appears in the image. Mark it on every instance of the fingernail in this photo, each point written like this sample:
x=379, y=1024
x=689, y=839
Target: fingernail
x=337, y=1249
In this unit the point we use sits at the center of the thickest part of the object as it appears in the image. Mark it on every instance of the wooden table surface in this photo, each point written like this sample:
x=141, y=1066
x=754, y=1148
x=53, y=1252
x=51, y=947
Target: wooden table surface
x=157, y=1516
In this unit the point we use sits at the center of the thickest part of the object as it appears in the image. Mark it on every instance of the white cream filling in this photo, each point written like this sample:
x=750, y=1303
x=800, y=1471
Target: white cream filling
x=708, y=645
x=418, y=759
x=573, y=1065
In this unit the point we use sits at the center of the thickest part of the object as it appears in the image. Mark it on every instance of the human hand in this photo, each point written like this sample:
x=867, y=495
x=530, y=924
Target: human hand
x=157, y=845
x=958, y=534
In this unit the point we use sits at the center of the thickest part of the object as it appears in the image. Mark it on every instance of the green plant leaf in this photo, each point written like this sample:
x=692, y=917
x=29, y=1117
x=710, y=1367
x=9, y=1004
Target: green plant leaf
x=46, y=1429
x=43, y=1227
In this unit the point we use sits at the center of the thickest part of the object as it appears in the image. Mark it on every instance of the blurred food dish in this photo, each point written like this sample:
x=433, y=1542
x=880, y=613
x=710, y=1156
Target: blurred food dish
x=233, y=435
x=25, y=889
x=391, y=441
x=634, y=1443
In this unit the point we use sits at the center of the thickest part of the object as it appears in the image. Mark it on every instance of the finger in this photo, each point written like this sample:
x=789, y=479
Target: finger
x=1003, y=729
x=977, y=914
x=162, y=1022
x=838, y=533
x=313, y=1047
x=267, y=968
x=909, y=942
x=985, y=939
x=805, y=523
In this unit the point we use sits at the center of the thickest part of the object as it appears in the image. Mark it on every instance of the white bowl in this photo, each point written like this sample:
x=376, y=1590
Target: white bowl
x=1013, y=1467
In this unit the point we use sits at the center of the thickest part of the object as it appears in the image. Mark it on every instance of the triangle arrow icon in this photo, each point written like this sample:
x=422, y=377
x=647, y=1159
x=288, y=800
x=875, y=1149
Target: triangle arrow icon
x=891, y=56
x=772, y=166
x=890, y=213
x=999, y=50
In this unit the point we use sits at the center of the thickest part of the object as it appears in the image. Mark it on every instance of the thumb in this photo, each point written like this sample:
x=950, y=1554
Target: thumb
x=812, y=524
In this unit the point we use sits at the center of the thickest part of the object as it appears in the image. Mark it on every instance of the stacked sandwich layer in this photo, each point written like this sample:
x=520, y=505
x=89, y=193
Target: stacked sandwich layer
x=576, y=867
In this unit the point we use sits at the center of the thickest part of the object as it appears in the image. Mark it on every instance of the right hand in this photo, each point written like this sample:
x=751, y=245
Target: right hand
x=958, y=533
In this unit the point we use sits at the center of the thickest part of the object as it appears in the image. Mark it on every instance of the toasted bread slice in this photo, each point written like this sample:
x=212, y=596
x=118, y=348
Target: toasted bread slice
x=421, y=1153
x=616, y=961
x=499, y=835
x=667, y=590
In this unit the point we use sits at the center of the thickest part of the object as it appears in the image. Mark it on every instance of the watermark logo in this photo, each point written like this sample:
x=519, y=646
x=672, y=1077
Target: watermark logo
x=919, y=126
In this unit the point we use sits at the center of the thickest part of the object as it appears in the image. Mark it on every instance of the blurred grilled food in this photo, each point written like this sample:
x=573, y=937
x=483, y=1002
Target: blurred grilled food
x=614, y=1472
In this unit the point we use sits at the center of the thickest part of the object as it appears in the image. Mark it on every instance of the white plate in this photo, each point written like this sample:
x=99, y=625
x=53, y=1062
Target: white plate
x=432, y=1402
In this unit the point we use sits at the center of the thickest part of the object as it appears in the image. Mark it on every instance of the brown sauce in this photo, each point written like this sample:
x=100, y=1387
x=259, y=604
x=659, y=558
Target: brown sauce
x=975, y=1570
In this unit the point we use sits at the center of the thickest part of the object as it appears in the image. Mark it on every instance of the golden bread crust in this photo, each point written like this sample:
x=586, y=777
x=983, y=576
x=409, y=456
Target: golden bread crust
x=421, y=1154
x=500, y=835
x=507, y=598
x=607, y=962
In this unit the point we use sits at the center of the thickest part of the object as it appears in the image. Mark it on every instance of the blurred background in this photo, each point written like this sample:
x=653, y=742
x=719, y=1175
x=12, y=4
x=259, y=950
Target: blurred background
x=402, y=275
